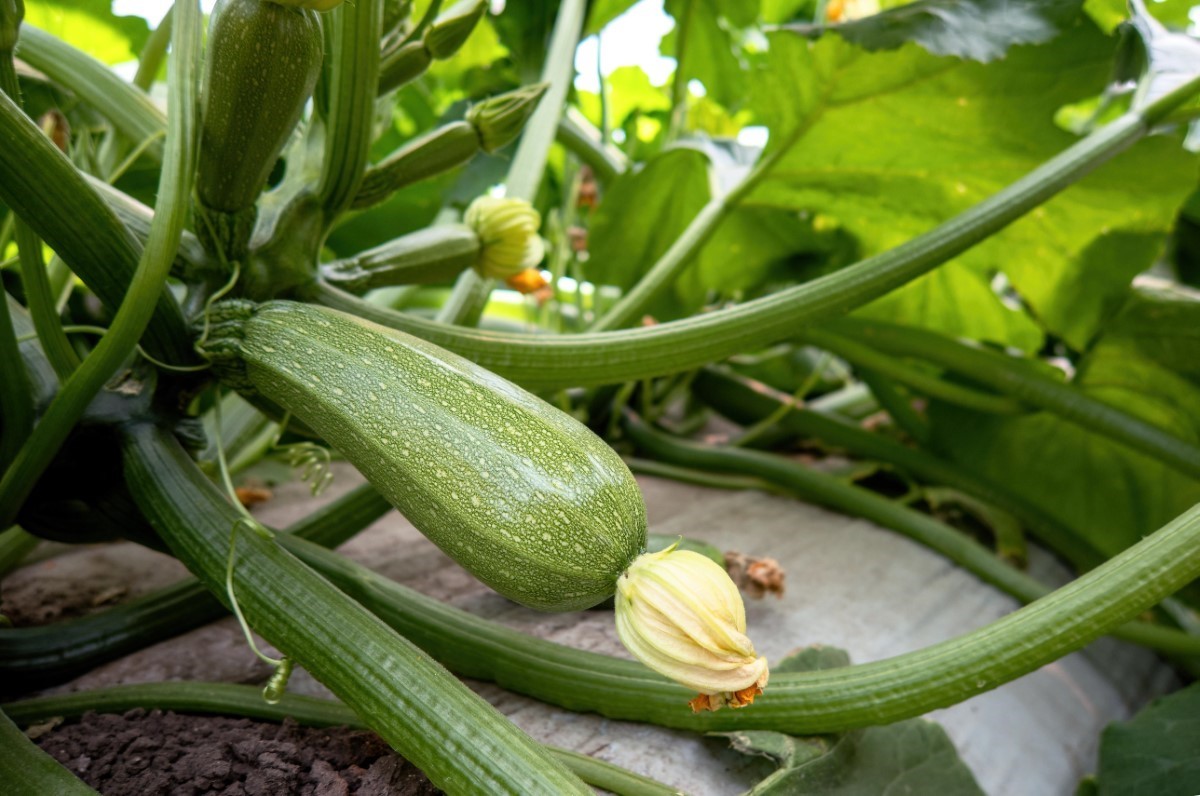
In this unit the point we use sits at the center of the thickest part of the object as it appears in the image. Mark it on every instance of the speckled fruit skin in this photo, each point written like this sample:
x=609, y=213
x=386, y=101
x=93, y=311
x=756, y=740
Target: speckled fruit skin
x=521, y=494
x=262, y=63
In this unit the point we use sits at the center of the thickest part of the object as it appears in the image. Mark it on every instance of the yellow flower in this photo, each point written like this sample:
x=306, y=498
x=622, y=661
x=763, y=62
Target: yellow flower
x=680, y=614
x=508, y=236
x=850, y=10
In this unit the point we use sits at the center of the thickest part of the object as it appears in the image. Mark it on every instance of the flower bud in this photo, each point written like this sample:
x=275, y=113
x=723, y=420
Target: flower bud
x=450, y=31
x=508, y=236
x=850, y=10
x=680, y=614
x=499, y=120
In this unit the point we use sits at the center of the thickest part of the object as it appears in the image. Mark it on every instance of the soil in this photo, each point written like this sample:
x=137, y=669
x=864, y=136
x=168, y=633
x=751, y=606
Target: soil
x=144, y=752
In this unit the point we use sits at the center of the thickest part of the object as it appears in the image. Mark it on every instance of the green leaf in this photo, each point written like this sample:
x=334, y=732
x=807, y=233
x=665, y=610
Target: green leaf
x=913, y=756
x=981, y=30
x=1108, y=14
x=755, y=244
x=629, y=90
x=1162, y=320
x=892, y=143
x=642, y=214
x=91, y=26
x=602, y=12
x=1158, y=751
x=709, y=52
x=1111, y=495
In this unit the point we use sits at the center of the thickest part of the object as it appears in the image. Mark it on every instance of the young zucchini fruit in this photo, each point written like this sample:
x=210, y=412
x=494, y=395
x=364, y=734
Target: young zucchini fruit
x=262, y=63
x=522, y=495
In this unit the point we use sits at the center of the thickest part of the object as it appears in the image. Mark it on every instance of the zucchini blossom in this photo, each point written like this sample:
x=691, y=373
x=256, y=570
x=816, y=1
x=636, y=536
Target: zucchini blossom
x=508, y=236
x=679, y=613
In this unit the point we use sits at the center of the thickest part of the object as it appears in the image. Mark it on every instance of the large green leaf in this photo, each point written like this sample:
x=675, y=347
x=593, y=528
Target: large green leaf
x=1156, y=752
x=642, y=214
x=1162, y=320
x=913, y=756
x=756, y=245
x=1111, y=13
x=628, y=90
x=1111, y=495
x=981, y=30
x=91, y=26
x=892, y=143
x=709, y=51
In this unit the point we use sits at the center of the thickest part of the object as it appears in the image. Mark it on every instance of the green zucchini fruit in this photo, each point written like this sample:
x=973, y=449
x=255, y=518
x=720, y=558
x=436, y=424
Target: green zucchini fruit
x=262, y=64
x=522, y=495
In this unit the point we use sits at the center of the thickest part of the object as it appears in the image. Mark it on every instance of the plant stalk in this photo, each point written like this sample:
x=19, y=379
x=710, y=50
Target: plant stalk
x=148, y=283
x=471, y=292
x=416, y=706
x=1016, y=378
x=545, y=362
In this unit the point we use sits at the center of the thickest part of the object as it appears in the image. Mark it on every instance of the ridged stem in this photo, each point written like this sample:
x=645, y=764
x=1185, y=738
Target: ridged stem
x=130, y=109
x=48, y=654
x=815, y=702
x=471, y=292
x=576, y=133
x=148, y=282
x=456, y=738
x=746, y=401
x=153, y=52
x=925, y=383
x=243, y=700
x=1023, y=382
x=826, y=490
x=545, y=362
x=428, y=255
x=352, y=86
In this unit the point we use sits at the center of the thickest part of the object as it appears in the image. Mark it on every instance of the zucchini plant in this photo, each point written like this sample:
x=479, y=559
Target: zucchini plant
x=409, y=235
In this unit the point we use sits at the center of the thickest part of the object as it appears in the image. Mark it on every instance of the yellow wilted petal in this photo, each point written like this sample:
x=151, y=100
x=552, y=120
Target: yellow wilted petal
x=680, y=614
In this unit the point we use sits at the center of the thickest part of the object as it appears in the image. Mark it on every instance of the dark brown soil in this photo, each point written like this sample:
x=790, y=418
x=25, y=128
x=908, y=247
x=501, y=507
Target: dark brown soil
x=151, y=753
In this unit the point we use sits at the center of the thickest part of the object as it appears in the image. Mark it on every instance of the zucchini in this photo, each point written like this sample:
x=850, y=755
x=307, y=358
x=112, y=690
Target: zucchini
x=262, y=64
x=522, y=495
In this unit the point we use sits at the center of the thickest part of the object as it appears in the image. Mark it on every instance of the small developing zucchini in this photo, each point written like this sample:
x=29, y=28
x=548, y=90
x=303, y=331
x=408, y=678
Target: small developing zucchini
x=262, y=63
x=522, y=495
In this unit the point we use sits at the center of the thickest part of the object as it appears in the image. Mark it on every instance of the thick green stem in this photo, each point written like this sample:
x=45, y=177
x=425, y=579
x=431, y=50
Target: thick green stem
x=352, y=86
x=26, y=770
x=129, y=108
x=242, y=700
x=16, y=401
x=1018, y=379
x=153, y=53
x=48, y=654
x=437, y=151
x=815, y=702
x=835, y=493
x=745, y=401
x=455, y=737
x=15, y=544
x=148, y=282
x=471, y=292
x=897, y=404
x=38, y=294
x=679, y=82
x=433, y=254
x=546, y=362
x=58, y=202
x=921, y=381
x=576, y=133
x=43, y=304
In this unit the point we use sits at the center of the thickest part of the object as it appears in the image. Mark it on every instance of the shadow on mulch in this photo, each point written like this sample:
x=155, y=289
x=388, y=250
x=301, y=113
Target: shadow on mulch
x=147, y=753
